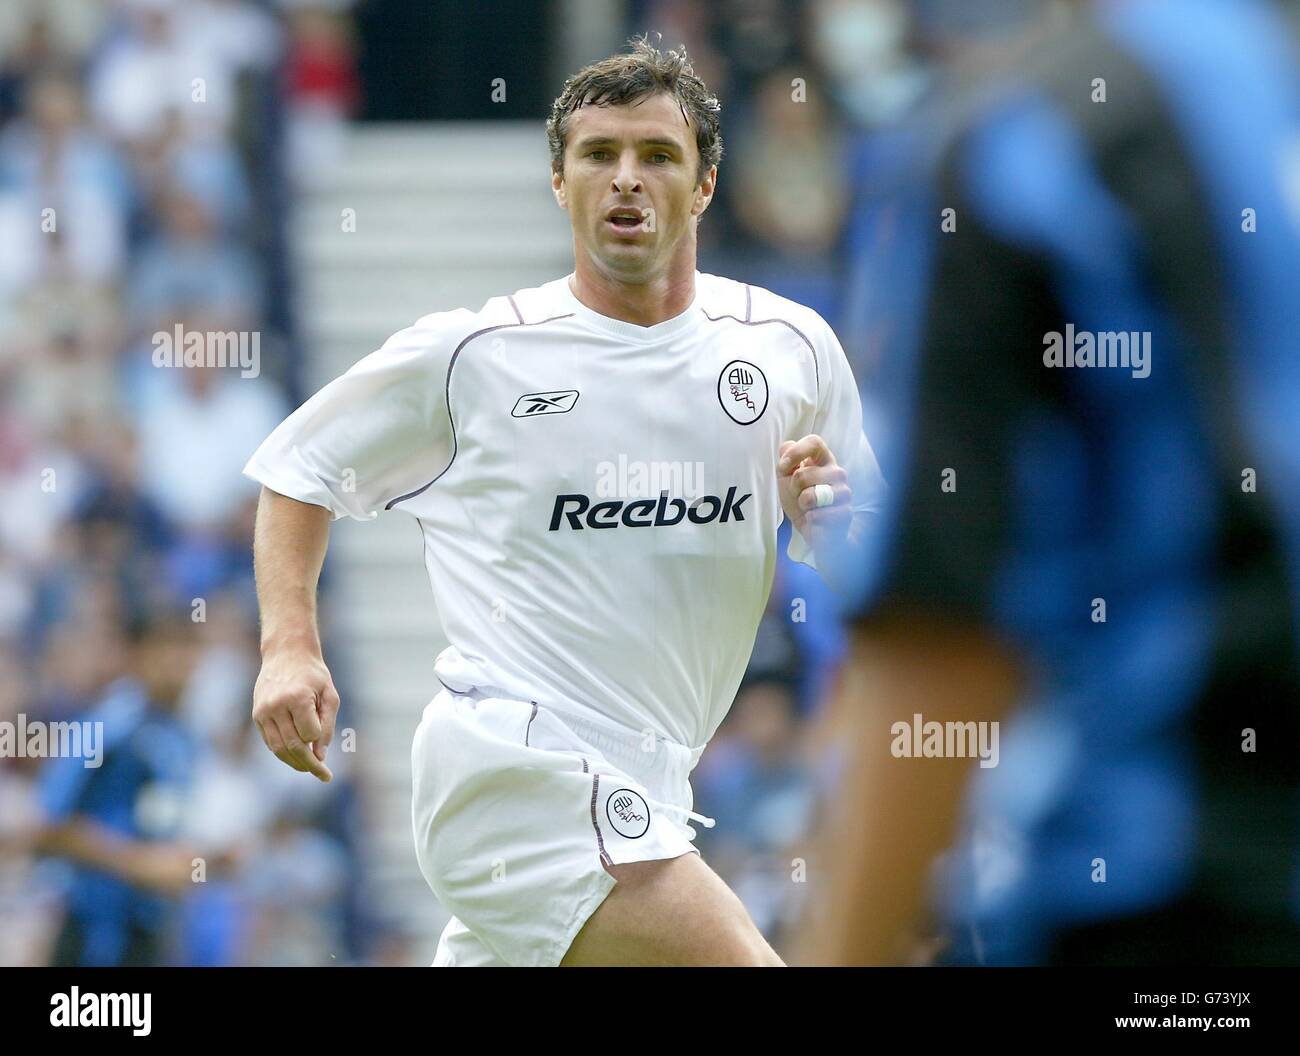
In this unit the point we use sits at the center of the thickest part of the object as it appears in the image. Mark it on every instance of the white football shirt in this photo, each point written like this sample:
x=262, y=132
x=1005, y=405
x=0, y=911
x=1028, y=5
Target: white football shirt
x=598, y=499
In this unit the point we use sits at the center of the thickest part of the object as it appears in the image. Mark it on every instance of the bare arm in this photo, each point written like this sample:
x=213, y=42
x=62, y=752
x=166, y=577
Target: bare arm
x=893, y=816
x=294, y=702
x=164, y=867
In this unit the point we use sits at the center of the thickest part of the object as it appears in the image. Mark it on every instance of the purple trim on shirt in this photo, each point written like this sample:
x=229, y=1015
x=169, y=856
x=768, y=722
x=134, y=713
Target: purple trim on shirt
x=785, y=322
x=600, y=840
x=455, y=446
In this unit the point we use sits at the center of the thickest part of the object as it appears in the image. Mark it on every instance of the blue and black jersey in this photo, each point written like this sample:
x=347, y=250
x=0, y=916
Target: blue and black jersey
x=139, y=792
x=1133, y=528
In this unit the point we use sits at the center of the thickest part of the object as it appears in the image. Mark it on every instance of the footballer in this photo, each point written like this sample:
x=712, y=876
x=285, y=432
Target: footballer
x=598, y=631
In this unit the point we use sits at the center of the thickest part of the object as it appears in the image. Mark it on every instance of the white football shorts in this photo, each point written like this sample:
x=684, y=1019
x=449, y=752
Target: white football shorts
x=517, y=808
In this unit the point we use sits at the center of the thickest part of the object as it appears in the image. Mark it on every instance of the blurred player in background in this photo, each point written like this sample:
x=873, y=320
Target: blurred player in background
x=599, y=466
x=1115, y=549
x=119, y=821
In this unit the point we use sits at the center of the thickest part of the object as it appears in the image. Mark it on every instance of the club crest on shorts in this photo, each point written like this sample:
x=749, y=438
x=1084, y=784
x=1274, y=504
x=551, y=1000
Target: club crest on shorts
x=628, y=812
x=742, y=391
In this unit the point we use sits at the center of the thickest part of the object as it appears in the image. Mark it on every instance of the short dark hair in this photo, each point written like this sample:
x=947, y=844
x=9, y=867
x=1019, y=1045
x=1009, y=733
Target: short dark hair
x=629, y=77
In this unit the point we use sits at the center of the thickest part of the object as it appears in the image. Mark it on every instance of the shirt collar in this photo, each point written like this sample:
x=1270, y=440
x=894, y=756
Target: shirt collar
x=631, y=331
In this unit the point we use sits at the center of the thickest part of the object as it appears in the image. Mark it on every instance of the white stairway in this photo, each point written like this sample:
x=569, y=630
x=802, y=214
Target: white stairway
x=446, y=216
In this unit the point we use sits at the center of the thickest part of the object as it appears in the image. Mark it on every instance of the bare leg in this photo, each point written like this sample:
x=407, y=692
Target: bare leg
x=673, y=912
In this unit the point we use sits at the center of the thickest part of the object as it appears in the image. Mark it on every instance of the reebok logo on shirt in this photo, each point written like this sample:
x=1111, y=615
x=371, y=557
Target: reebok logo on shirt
x=535, y=403
x=578, y=511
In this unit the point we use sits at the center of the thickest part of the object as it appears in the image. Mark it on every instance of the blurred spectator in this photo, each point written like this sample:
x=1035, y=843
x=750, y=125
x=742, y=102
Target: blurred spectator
x=861, y=44
x=790, y=170
x=196, y=423
x=204, y=170
x=39, y=485
x=789, y=179
x=154, y=65
x=323, y=85
x=117, y=822
x=62, y=198
x=39, y=35
x=68, y=380
x=189, y=263
x=31, y=52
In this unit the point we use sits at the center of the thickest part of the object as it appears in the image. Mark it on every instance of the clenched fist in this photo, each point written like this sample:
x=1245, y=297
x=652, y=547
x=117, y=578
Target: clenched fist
x=801, y=466
x=295, y=705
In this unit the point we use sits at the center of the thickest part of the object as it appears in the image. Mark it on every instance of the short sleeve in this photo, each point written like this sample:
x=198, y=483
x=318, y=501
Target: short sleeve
x=377, y=433
x=838, y=421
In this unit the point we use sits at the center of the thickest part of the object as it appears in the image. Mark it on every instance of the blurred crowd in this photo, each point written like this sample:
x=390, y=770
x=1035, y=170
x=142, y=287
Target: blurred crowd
x=145, y=149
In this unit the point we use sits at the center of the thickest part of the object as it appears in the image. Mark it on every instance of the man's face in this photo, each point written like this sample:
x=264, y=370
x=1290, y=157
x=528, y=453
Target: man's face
x=630, y=187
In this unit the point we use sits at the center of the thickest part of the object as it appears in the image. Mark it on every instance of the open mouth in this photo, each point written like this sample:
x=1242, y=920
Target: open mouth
x=626, y=219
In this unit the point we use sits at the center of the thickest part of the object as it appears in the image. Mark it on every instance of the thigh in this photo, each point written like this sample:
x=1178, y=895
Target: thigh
x=514, y=827
x=670, y=912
